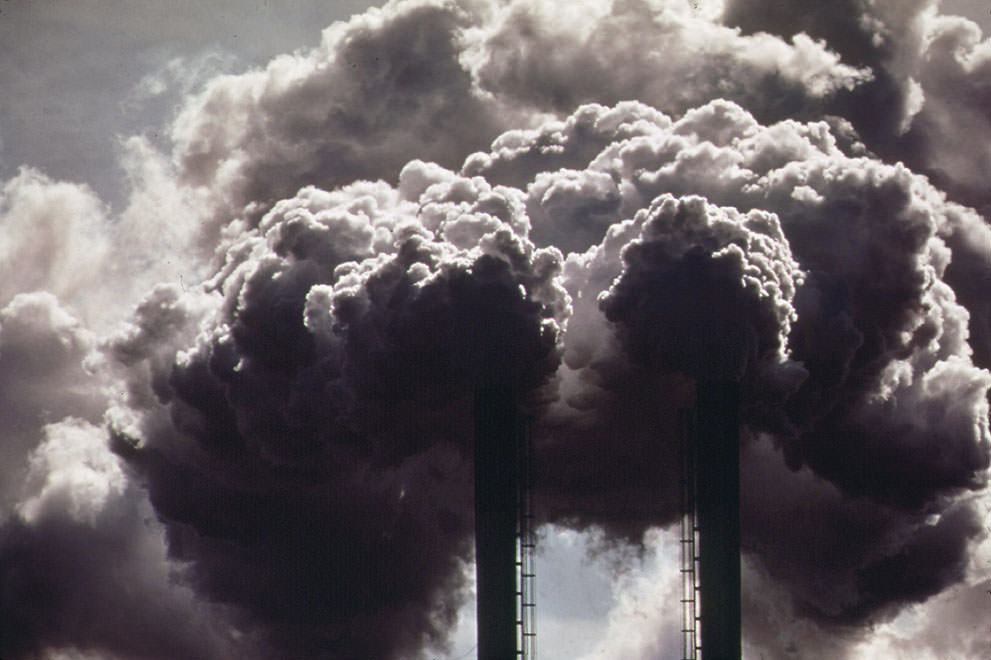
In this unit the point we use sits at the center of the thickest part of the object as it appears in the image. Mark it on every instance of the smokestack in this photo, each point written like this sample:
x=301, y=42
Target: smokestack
x=718, y=492
x=496, y=483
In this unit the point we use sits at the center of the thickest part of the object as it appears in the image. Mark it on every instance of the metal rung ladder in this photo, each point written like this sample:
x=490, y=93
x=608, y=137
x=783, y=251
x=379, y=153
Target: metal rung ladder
x=526, y=592
x=690, y=600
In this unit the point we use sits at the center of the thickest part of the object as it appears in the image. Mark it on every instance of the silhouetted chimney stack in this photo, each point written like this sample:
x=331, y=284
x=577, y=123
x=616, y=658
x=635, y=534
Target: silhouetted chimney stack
x=717, y=464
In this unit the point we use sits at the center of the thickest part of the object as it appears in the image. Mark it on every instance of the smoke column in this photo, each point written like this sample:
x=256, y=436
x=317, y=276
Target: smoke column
x=239, y=412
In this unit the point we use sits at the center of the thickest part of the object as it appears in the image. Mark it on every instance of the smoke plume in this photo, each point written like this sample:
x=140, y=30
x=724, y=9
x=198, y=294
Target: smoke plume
x=600, y=204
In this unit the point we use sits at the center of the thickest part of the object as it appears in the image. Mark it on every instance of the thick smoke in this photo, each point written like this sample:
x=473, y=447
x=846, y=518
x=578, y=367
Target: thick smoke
x=52, y=237
x=926, y=106
x=436, y=80
x=81, y=562
x=871, y=386
x=660, y=53
x=323, y=412
x=270, y=452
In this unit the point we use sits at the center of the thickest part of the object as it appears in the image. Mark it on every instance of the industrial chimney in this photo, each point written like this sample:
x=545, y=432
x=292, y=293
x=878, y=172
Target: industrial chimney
x=503, y=533
x=711, y=523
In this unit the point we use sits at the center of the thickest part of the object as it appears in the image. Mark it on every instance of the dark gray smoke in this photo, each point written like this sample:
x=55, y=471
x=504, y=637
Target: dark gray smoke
x=323, y=414
x=869, y=393
x=599, y=204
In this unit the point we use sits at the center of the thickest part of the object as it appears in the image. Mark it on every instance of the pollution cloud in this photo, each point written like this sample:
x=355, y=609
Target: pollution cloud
x=271, y=456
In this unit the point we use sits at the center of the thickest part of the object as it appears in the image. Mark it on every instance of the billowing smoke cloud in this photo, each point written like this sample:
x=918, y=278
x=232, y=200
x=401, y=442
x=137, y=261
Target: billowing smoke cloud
x=661, y=53
x=923, y=63
x=871, y=386
x=81, y=561
x=52, y=236
x=271, y=451
x=925, y=104
x=42, y=347
x=323, y=412
x=438, y=80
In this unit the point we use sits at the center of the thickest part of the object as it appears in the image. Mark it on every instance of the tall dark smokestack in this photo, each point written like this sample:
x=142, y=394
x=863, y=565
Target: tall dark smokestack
x=718, y=474
x=496, y=482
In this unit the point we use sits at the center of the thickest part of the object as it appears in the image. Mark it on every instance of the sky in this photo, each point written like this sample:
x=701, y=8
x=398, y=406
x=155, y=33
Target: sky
x=255, y=256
